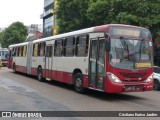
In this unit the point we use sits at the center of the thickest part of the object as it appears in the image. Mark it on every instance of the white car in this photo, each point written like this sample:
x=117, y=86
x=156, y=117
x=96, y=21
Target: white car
x=156, y=77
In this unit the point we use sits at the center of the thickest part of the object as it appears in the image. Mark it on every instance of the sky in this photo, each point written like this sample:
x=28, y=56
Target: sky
x=26, y=11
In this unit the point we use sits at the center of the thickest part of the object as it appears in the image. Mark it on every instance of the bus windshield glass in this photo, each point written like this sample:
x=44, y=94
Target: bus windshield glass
x=127, y=53
x=3, y=54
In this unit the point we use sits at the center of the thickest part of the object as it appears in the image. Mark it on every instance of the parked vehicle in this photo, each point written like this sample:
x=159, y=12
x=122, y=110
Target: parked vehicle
x=3, y=56
x=156, y=77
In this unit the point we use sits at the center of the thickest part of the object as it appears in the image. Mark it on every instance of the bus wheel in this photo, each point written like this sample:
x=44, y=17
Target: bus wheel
x=78, y=83
x=14, y=68
x=40, y=75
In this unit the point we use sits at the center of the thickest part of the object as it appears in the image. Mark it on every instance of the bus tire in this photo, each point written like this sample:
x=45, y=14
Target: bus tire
x=14, y=68
x=39, y=74
x=78, y=83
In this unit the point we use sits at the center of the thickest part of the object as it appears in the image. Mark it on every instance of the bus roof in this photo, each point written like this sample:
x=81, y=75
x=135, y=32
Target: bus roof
x=3, y=48
x=19, y=44
x=78, y=32
x=106, y=27
x=101, y=28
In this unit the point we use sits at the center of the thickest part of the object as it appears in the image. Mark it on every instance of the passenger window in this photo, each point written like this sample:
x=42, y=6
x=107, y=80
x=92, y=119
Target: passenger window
x=35, y=50
x=39, y=47
x=21, y=51
x=24, y=51
x=42, y=49
x=58, y=48
x=16, y=51
x=82, y=45
x=69, y=47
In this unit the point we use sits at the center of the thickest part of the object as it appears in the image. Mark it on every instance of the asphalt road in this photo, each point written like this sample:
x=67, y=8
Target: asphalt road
x=19, y=92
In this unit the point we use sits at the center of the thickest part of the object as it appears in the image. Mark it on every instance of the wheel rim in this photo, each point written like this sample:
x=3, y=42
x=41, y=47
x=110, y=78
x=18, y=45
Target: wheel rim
x=78, y=82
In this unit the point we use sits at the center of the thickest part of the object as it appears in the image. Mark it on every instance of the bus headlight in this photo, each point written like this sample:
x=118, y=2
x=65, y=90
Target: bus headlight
x=150, y=78
x=113, y=77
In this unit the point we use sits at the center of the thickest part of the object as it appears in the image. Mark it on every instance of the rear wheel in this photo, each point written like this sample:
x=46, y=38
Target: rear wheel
x=156, y=85
x=40, y=75
x=78, y=83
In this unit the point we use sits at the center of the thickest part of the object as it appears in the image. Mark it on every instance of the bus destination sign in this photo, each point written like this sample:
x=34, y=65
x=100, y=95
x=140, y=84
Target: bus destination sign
x=142, y=65
x=125, y=31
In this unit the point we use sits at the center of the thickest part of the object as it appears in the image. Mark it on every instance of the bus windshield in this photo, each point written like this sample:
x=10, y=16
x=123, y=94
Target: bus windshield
x=3, y=53
x=127, y=53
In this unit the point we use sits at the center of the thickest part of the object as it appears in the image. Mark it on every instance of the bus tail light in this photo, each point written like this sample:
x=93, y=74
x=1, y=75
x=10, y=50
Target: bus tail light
x=150, y=78
x=113, y=77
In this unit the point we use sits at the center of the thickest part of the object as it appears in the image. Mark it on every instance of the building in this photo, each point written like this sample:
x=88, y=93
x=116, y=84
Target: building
x=55, y=26
x=49, y=18
x=34, y=32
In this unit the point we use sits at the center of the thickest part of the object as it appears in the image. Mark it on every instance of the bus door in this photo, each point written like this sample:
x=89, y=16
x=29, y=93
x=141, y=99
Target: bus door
x=29, y=57
x=48, y=62
x=97, y=63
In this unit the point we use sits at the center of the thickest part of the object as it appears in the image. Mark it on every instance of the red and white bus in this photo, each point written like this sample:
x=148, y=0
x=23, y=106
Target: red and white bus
x=111, y=58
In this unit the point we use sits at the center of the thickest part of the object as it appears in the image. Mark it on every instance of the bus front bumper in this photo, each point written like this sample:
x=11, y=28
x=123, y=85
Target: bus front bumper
x=128, y=87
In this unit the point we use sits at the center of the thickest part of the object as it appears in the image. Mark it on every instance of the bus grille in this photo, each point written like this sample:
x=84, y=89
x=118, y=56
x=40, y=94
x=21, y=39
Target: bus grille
x=133, y=75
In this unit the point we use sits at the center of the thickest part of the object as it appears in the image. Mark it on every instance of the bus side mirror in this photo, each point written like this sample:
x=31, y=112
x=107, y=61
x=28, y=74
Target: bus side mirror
x=107, y=43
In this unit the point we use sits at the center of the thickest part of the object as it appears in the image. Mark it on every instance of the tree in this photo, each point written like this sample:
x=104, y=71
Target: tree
x=71, y=15
x=78, y=14
x=15, y=33
x=1, y=33
x=143, y=13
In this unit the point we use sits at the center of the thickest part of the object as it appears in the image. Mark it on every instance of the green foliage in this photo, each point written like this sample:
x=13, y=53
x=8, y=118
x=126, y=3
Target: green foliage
x=143, y=13
x=1, y=36
x=78, y=14
x=15, y=33
x=71, y=15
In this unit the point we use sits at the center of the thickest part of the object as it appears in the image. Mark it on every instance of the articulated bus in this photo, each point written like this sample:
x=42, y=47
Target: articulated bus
x=111, y=58
x=4, y=56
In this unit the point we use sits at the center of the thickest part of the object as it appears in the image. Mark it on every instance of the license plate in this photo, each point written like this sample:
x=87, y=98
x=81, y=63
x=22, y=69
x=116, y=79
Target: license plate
x=134, y=88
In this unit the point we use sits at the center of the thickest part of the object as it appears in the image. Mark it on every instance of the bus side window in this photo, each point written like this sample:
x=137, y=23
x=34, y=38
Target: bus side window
x=58, y=48
x=82, y=45
x=24, y=51
x=42, y=49
x=18, y=51
x=69, y=47
x=21, y=52
x=35, y=50
x=13, y=52
x=39, y=49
